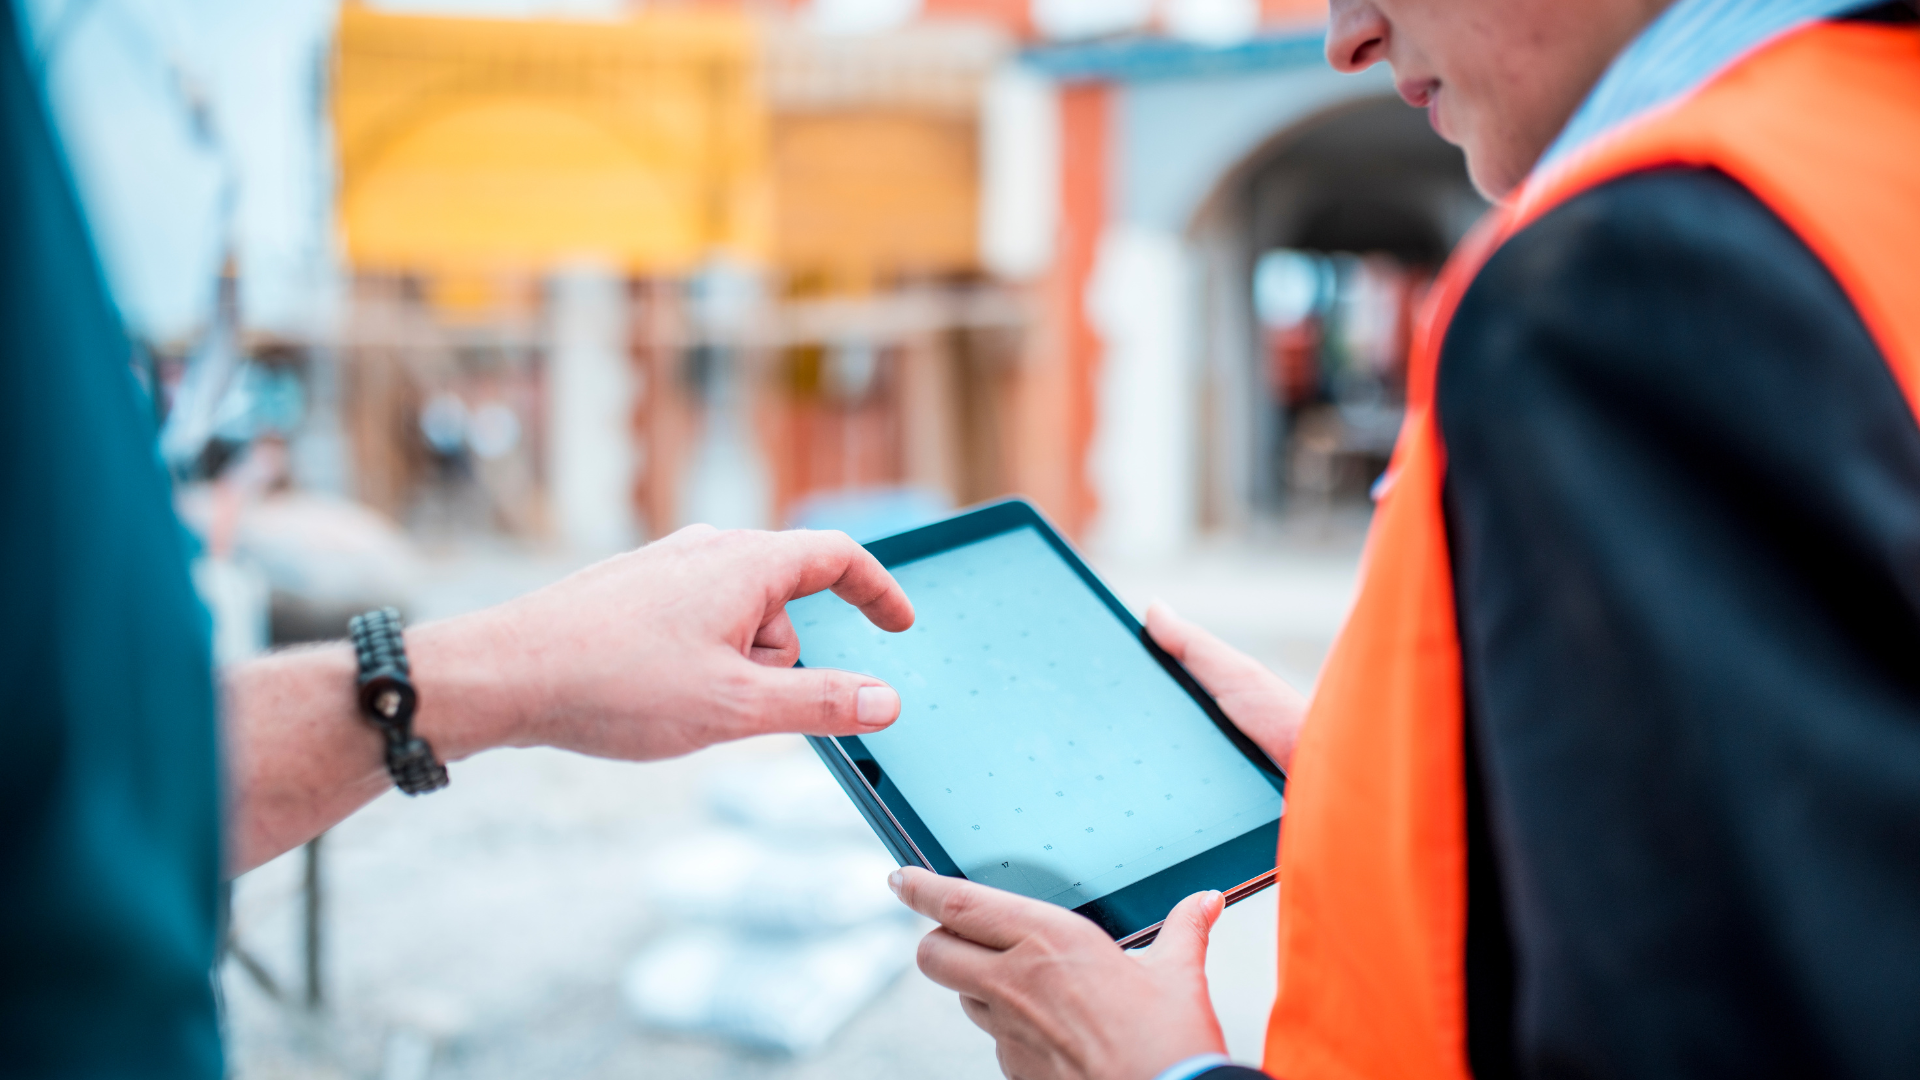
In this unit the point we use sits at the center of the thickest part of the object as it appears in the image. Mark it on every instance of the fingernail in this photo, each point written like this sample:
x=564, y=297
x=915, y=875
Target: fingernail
x=876, y=707
x=895, y=880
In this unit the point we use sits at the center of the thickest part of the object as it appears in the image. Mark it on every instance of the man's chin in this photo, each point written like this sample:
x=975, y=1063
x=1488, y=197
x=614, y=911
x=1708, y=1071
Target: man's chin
x=1495, y=174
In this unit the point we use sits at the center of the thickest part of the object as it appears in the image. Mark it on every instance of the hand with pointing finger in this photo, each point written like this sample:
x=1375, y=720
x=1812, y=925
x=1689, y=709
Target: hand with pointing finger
x=1061, y=1000
x=655, y=653
x=680, y=645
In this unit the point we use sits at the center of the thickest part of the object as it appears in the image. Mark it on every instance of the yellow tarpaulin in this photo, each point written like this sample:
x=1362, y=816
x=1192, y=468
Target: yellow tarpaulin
x=468, y=144
x=864, y=194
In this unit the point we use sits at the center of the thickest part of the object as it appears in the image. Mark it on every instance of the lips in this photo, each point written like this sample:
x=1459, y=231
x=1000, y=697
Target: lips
x=1424, y=94
x=1417, y=92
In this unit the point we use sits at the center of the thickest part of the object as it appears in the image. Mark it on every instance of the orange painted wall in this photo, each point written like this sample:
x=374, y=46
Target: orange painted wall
x=1016, y=15
x=1293, y=11
x=1058, y=390
x=1087, y=135
x=1013, y=14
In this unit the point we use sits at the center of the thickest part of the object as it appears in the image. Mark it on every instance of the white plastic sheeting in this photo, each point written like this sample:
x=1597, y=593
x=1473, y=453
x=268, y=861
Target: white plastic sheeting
x=197, y=130
x=1213, y=23
x=785, y=927
x=787, y=994
x=861, y=16
x=1068, y=20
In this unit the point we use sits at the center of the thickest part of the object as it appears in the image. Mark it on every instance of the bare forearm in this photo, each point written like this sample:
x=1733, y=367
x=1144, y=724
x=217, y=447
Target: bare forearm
x=647, y=655
x=299, y=755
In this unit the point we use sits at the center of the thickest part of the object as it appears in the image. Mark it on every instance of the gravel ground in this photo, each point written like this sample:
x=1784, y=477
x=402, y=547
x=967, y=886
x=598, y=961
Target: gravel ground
x=482, y=932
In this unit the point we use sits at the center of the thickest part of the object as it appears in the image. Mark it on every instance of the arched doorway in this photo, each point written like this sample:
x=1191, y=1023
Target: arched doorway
x=1314, y=251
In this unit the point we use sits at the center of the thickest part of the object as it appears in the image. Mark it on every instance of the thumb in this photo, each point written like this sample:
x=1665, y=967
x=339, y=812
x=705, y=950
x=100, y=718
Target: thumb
x=1170, y=631
x=817, y=701
x=1219, y=666
x=1182, y=942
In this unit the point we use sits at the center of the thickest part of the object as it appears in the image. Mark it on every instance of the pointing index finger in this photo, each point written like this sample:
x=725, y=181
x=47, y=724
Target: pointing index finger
x=831, y=560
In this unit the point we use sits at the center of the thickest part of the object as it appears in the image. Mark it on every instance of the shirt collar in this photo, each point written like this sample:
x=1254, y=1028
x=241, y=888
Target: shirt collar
x=1676, y=54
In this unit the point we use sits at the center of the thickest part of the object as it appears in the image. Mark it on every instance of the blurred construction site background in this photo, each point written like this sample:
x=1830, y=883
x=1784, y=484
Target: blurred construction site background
x=439, y=299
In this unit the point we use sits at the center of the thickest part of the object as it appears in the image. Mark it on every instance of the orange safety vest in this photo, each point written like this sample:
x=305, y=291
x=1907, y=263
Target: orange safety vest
x=1823, y=126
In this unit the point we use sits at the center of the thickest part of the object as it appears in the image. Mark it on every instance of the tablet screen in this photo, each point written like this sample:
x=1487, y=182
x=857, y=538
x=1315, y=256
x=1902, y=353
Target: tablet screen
x=1038, y=740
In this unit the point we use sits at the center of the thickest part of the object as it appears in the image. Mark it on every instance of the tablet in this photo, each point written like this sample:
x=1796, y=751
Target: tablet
x=1045, y=744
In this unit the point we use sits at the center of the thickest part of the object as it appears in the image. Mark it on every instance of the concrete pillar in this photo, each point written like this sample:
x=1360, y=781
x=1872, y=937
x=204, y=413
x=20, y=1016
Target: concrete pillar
x=1144, y=462
x=1019, y=173
x=727, y=483
x=590, y=398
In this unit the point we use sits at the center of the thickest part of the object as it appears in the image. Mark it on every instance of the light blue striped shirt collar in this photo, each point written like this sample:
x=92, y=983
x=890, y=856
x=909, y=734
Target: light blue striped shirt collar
x=1676, y=54
x=1194, y=1067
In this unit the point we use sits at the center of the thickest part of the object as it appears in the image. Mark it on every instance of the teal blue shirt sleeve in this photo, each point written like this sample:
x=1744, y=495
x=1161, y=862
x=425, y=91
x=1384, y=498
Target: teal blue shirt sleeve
x=109, y=785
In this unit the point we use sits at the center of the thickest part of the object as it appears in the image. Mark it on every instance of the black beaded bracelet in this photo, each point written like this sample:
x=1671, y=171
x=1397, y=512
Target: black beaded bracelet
x=388, y=699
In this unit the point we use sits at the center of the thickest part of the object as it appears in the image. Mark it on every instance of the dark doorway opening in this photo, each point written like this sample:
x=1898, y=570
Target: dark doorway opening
x=1319, y=248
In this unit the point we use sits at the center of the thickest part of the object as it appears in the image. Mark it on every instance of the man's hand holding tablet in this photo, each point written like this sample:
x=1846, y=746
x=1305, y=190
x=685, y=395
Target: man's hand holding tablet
x=1059, y=997
x=1074, y=688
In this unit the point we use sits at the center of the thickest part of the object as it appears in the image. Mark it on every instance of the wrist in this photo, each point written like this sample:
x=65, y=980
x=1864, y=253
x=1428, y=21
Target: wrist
x=468, y=701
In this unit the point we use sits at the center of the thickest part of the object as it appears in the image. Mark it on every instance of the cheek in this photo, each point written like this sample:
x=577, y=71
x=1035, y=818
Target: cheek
x=1489, y=57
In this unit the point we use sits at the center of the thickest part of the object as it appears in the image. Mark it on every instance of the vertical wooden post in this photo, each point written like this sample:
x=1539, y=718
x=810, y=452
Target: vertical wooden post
x=313, y=894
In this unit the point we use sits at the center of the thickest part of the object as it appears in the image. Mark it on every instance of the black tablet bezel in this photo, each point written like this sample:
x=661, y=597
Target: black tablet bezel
x=1239, y=866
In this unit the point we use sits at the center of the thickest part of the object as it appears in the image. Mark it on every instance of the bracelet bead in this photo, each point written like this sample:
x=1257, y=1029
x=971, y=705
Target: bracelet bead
x=388, y=699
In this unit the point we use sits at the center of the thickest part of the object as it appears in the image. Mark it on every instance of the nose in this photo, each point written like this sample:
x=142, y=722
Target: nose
x=1356, y=35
